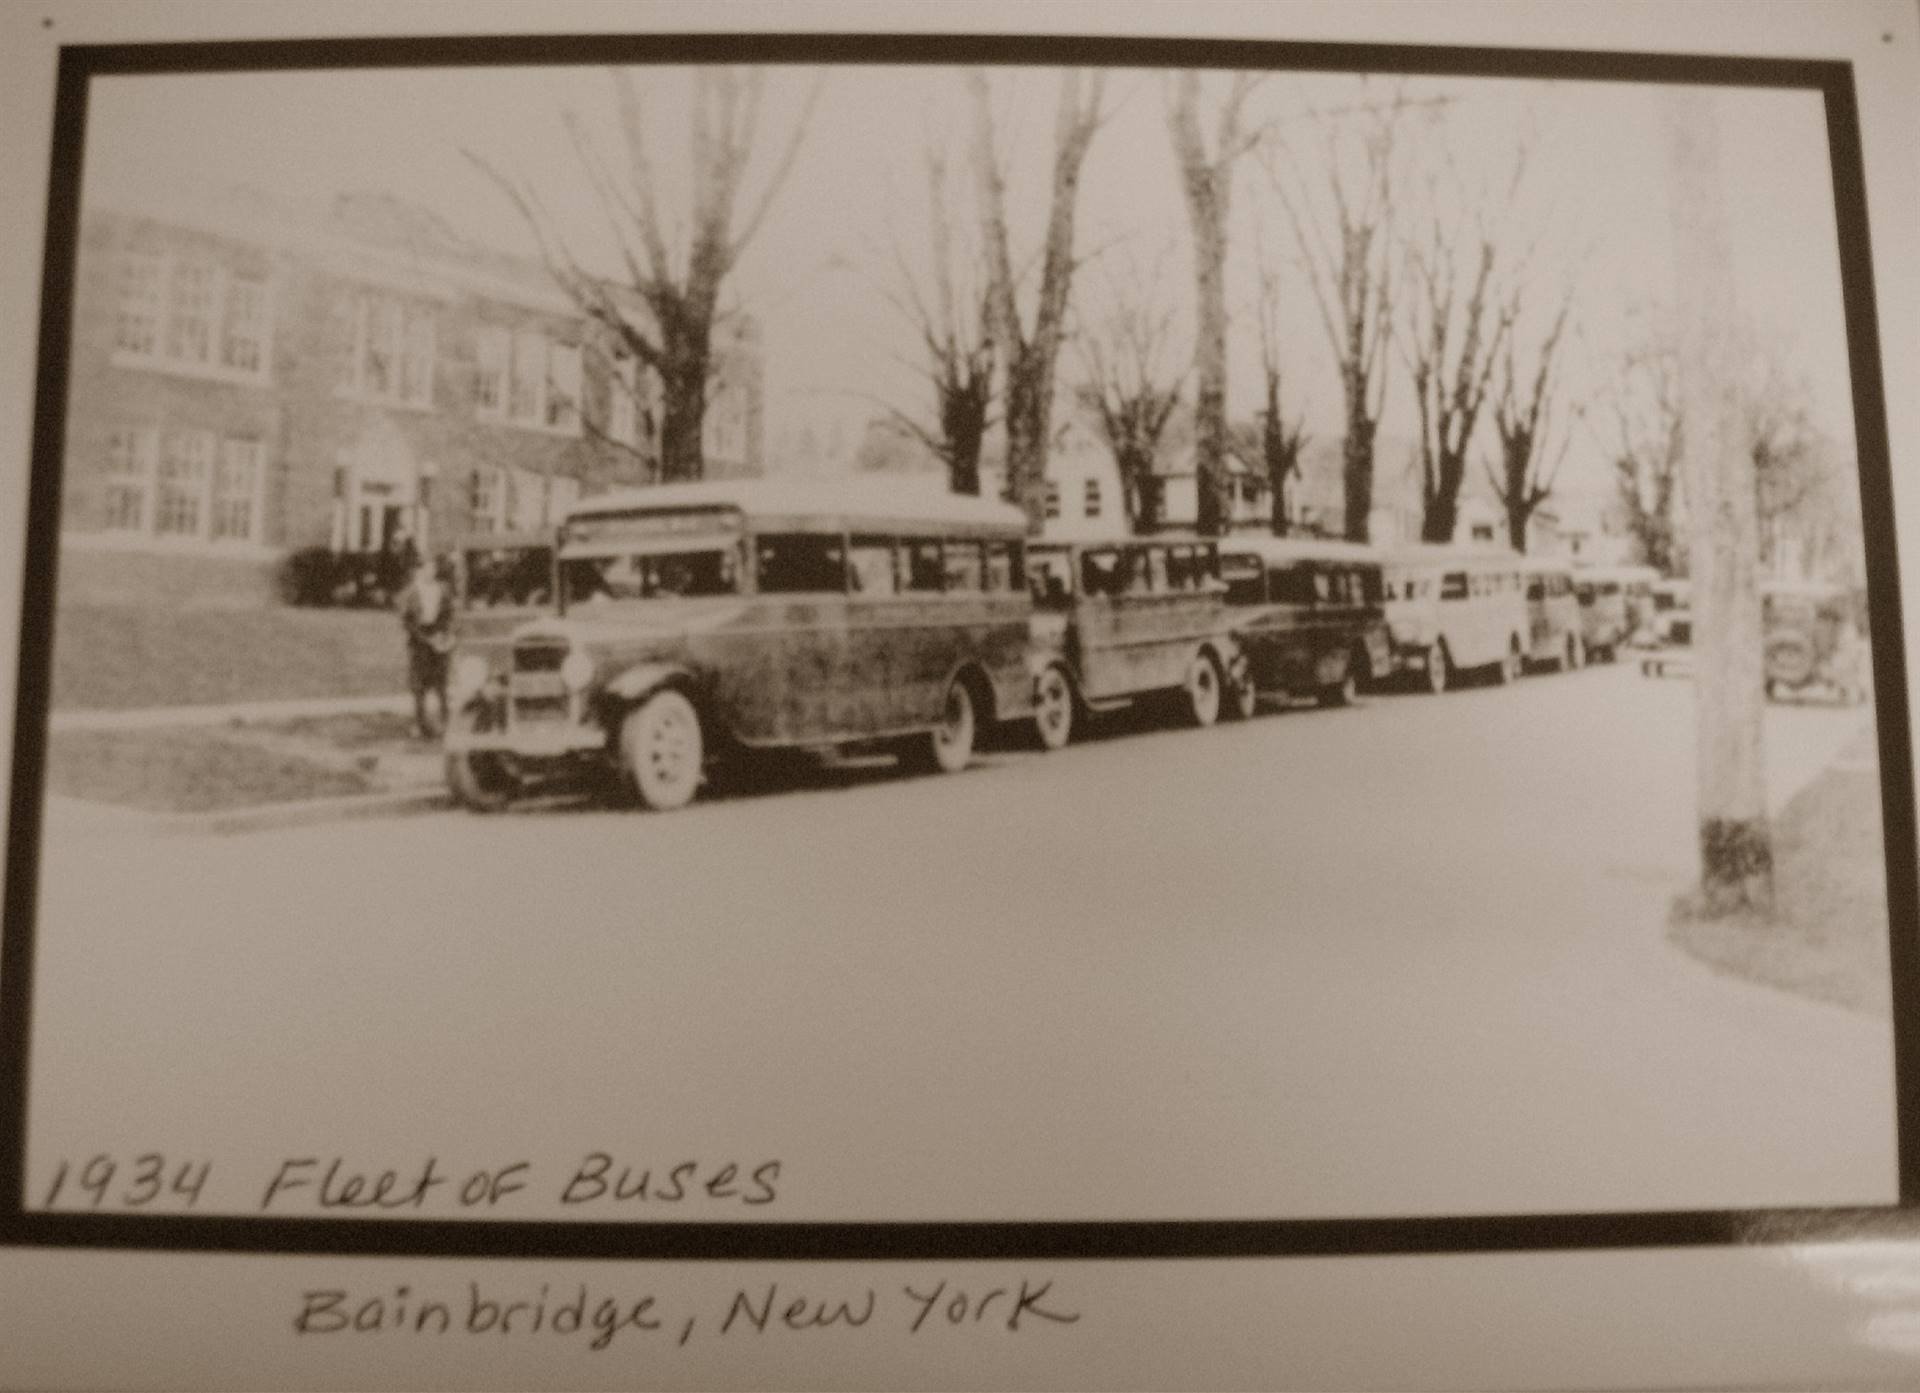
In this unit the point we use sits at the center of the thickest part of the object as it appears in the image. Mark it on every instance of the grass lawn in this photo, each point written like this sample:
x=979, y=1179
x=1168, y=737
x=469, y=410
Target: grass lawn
x=115, y=657
x=213, y=768
x=1827, y=937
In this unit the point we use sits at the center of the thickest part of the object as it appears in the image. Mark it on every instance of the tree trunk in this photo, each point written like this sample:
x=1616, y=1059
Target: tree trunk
x=1736, y=859
x=1210, y=377
x=1356, y=470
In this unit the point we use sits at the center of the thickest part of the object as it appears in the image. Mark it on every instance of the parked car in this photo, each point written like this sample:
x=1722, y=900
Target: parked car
x=1116, y=621
x=700, y=622
x=1307, y=616
x=1814, y=642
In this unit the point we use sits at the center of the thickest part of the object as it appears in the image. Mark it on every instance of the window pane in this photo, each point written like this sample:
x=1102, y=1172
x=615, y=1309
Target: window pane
x=235, y=486
x=128, y=465
x=137, y=327
x=1157, y=578
x=1100, y=572
x=963, y=569
x=563, y=387
x=801, y=562
x=190, y=312
x=926, y=567
x=1454, y=586
x=490, y=385
x=870, y=565
x=1000, y=567
x=246, y=325
x=1050, y=578
x=185, y=464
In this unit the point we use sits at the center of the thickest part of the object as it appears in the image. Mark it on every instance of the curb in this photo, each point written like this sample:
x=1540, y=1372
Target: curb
x=303, y=814
x=231, y=713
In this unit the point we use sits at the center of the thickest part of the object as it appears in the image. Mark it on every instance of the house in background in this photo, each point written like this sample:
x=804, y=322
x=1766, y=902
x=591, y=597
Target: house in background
x=252, y=375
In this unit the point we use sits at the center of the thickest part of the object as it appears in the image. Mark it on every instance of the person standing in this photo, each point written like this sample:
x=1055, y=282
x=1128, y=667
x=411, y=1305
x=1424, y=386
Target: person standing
x=426, y=613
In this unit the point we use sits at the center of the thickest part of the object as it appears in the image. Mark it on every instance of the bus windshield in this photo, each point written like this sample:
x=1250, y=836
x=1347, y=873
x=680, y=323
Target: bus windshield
x=592, y=580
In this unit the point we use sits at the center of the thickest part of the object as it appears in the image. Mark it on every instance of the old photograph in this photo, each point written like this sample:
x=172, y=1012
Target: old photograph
x=841, y=641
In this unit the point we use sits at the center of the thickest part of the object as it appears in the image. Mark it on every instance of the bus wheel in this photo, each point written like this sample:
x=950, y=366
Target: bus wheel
x=1439, y=668
x=1053, y=708
x=481, y=780
x=948, y=747
x=664, y=750
x=1203, y=690
x=1576, y=657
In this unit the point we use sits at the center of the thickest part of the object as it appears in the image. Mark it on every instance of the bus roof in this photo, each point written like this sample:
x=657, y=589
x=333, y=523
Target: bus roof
x=1162, y=539
x=1623, y=574
x=1447, y=554
x=1278, y=551
x=851, y=502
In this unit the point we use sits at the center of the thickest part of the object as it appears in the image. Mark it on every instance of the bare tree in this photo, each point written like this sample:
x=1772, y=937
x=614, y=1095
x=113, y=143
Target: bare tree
x=1280, y=443
x=1736, y=852
x=955, y=350
x=1455, y=328
x=1131, y=387
x=1350, y=268
x=1646, y=448
x=1524, y=421
x=1027, y=356
x=1809, y=520
x=1206, y=178
x=680, y=288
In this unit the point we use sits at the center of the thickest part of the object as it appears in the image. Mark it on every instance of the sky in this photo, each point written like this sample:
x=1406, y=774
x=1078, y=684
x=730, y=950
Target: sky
x=1593, y=205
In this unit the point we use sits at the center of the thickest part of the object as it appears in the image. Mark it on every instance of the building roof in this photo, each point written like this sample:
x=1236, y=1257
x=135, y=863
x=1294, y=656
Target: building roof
x=854, y=498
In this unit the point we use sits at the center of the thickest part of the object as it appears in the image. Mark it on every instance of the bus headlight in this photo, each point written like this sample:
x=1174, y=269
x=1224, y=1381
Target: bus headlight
x=577, y=671
x=468, y=677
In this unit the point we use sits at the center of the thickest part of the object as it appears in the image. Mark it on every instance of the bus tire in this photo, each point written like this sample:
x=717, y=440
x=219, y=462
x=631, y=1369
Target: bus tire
x=664, y=750
x=1054, y=713
x=948, y=747
x=1202, y=690
x=480, y=780
x=1439, y=668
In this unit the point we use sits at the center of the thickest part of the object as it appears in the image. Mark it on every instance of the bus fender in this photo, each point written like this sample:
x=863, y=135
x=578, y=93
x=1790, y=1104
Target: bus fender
x=642, y=680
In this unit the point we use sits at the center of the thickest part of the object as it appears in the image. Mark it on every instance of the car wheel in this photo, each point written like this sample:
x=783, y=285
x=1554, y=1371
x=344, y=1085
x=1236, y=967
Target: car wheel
x=664, y=750
x=1203, y=690
x=1053, y=708
x=481, y=780
x=1439, y=668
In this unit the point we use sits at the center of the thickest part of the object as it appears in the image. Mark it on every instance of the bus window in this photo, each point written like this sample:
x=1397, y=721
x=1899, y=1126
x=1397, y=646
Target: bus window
x=1453, y=585
x=1050, y=578
x=1536, y=587
x=963, y=568
x=800, y=563
x=1245, y=577
x=870, y=566
x=1003, y=571
x=1157, y=578
x=1291, y=585
x=1100, y=572
x=926, y=566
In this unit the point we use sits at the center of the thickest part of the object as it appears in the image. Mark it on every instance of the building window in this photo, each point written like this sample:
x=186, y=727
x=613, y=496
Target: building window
x=129, y=484
x=527, y=400
x=1093, y=498
x=562, y=406
x=623, y=414
x=189, y=313
x=390, y=357
x=244, y=343
x=236, y=491
x=186, y=463
x=490, y=391
x=489, y=493
x=142, y=305
x=1053, y=499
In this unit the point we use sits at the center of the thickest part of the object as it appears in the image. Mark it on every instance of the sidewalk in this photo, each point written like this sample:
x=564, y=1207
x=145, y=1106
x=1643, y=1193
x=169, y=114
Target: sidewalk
x=155, y=717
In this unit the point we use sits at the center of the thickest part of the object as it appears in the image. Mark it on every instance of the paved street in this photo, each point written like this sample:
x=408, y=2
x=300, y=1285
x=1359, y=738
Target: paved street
x=1407, y=958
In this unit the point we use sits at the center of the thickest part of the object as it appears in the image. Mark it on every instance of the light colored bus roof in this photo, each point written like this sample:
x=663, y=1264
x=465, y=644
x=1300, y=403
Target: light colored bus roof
x=1279, y=550
x=1611, y=572
x=855, y=500
x=1446, y=554
x=1045, y=542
